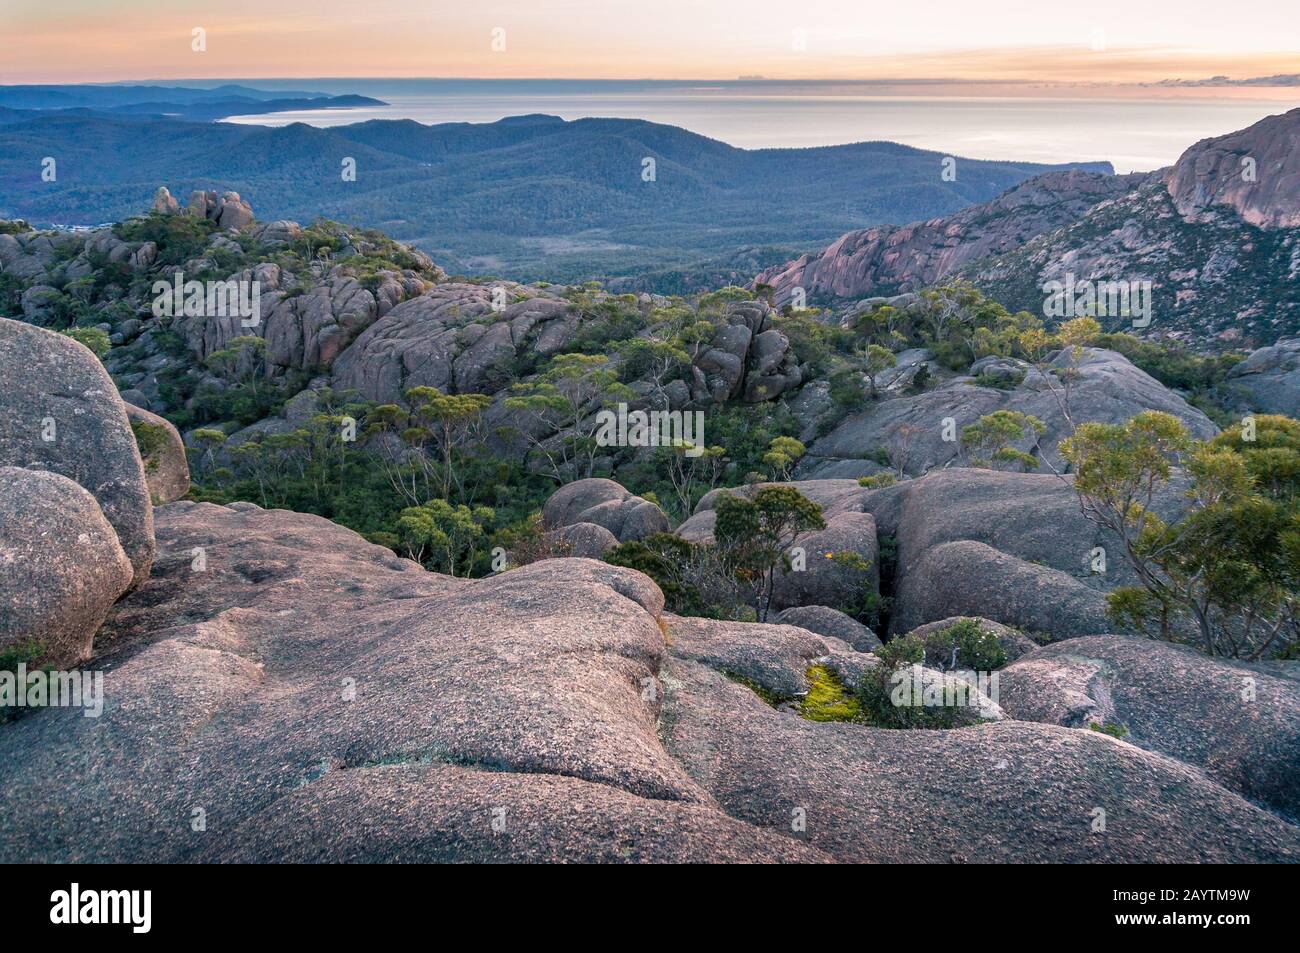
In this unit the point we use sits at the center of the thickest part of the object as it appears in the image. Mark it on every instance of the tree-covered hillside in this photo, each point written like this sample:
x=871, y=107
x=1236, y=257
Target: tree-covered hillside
x=531, y=197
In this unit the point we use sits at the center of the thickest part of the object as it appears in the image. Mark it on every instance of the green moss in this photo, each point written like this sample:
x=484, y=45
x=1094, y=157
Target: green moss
x=827, y=698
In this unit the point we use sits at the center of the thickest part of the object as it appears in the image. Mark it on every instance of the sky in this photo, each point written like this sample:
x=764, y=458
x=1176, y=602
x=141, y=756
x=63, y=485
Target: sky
x=1106, y=41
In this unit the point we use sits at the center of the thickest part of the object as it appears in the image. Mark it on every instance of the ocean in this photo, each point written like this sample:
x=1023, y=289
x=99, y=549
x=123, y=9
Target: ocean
x=1134, y=128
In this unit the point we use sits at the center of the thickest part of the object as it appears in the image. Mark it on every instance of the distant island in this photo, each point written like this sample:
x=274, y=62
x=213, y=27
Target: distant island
x=172, y=102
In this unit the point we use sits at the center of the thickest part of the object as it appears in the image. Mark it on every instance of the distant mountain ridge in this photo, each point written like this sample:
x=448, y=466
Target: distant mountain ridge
x=527, y=197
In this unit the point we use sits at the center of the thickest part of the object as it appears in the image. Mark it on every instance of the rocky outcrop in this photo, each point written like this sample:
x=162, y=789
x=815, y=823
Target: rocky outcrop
x=166, y=467
x=966, y=577
x=908, y=257
x=552, y=712
x=1270, y=377
x=1011, y=547
x=59, y=411
x=824, y=620
x=1240, y=724
x=1103, y=386
x=1254, y=173
x=606, y=504
x=226, y=681
x=304, y=330
x=227, y=209
x=872, y=795
x=587, y=540
x=451, y=338
x=746, y=359
x=61, y=565
x=1219, y=250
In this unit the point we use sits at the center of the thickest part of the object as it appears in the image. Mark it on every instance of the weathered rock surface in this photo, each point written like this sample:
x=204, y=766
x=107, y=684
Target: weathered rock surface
x=1105, y=387
x=1255, y=172
x=297, y=650
x=1027, y=526
x=1271, y=378
x=843, y=565
x=166, y=468
x=61, y=566
x=55, y=388
x=607, y=504
x=907, y=257
x=824, y=620
x=773, y=656
x=586, y=540
x=1007, y=792
x=966, y=578
x=1241, y=725
x=440, y=813
x=318, y=698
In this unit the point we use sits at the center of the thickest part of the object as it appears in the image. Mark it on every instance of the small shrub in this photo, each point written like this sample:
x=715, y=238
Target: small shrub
x=94, y=338
x=1110, y=728
x=963, y=646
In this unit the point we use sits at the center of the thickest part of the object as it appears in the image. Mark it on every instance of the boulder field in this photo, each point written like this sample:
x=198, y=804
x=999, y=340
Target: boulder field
x=276, y=688
x=309, y=696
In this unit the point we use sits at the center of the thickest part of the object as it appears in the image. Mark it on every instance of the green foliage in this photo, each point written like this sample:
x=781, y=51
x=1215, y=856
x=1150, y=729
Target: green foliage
x=663, y=557
x=1110, y=728
x=443, y=536
x=1171, y=363
x=754, y=535
x=94, y=338
x=990, y=438
x=151, y=440
x=877, y=481
x=1225, y=575
x=564, y=399
x=962, y=647
x=179, y=237
x=782, y=454
x=29, y=653
x=723, y=296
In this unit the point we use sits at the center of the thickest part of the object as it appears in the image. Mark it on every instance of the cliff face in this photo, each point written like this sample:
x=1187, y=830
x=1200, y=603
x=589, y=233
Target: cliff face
x=1215, y=234
x=907, y=257
x=1254, y=172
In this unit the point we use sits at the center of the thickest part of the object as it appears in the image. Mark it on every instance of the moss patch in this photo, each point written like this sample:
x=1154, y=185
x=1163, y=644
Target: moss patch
x=827, y=698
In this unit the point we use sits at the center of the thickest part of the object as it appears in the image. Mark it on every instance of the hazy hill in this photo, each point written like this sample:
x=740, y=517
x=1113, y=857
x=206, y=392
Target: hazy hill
x=527, y=197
